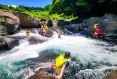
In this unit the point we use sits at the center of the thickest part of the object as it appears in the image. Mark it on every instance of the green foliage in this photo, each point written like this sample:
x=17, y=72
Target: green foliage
x=10, y=8
x=62, y=17
x=84, y=8
x=47, y=7
x=38, y=12
x=69, y=9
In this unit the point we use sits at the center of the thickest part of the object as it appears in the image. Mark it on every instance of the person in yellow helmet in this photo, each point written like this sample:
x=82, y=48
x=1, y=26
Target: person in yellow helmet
x=61, y=63
x=95, y=26
x=44, y=29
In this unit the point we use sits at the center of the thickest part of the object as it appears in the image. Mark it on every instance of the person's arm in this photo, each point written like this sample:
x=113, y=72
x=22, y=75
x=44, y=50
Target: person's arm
x=61, y=72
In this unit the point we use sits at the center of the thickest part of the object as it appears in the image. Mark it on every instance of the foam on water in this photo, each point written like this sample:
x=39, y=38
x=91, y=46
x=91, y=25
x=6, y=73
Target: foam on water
x=86, y=49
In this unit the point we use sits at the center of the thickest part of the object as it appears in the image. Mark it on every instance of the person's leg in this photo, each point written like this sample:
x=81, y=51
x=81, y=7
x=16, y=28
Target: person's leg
x=53, y=67
x=44, y=34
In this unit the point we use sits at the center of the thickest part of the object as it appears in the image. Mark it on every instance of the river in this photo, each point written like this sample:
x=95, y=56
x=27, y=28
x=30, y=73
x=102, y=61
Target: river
x=94, y=58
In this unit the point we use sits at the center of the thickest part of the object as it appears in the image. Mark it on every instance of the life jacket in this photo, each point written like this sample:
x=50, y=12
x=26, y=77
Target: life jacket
x=60, y=61
x=98, y=31
x=44, y=28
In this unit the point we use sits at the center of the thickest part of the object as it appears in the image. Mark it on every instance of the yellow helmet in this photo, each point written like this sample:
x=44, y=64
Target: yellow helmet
x=95, y=25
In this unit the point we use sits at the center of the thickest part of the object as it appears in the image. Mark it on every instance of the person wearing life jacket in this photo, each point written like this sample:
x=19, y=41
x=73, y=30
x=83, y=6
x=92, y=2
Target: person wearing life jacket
x=60, y=64
x=44, y=29
x=27, y=32
x=97, y=32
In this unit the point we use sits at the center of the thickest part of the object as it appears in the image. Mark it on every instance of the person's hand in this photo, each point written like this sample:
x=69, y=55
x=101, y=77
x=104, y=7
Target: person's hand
x=58, y=77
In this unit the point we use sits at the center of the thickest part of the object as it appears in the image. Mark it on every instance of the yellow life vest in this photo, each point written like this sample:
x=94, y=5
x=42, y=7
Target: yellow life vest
x=95, y=26
x=60, y=61
x=44, y=28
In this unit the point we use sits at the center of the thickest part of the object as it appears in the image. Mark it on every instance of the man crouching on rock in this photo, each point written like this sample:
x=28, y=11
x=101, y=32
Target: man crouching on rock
x=60, y=64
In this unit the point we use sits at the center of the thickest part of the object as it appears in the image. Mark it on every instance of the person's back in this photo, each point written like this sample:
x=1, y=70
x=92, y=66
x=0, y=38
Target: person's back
x=60, y=61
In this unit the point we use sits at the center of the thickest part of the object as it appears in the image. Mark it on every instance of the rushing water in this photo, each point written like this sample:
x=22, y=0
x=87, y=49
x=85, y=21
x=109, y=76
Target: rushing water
x=94, y=59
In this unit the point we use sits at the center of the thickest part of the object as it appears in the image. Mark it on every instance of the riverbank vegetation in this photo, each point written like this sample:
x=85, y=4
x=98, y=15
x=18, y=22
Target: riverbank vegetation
x=69, y=9
x=38, y=12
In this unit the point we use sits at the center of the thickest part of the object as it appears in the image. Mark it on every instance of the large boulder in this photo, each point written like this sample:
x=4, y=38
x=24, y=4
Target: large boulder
x=109, y=22
x=74, y=28
x=8, y=22
x=26, y=21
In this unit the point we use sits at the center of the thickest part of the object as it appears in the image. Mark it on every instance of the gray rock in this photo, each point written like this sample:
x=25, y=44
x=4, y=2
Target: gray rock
x=109, y=22
x=9, y=22
x=41, y=71
x=8, y=43
x=75, y=28
x=27, y=21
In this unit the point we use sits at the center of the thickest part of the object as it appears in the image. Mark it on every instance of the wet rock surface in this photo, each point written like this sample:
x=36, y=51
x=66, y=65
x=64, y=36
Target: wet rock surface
x=33, y=40
x=7, y=43
x=41, y=65
x=49, y=33
x=39, y=75
x=112, y=75
x=45, y=56
x=109, y=22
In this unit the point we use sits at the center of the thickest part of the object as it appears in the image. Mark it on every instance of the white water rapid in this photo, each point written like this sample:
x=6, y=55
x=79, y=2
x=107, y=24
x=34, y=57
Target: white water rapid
x=85, y=49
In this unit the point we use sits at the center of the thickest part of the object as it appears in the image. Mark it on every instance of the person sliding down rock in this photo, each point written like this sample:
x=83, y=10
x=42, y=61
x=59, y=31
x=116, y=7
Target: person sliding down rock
x=60, y=64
